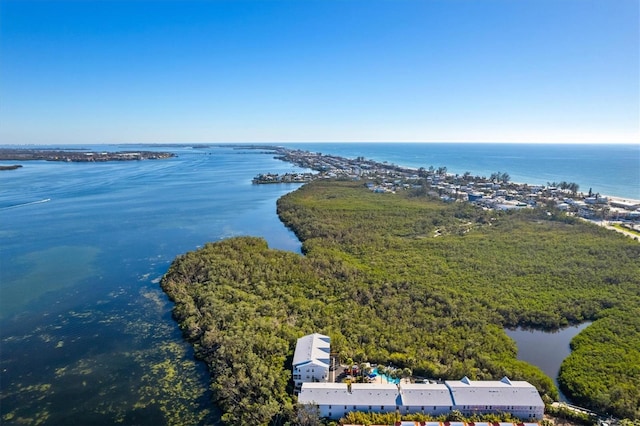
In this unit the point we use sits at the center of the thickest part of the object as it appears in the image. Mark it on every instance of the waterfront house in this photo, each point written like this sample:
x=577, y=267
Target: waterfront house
x=624, y=204
x=596, y=200
x=311, y=360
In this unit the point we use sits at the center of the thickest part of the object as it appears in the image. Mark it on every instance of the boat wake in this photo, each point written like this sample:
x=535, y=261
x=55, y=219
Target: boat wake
x=46, y=200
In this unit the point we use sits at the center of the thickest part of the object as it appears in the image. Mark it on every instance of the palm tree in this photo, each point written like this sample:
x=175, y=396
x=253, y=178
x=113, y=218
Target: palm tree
x=363, y=367
x=573, y=187
x=382, y=371
x=394, y=373
x=406, y=372
x=350, y=364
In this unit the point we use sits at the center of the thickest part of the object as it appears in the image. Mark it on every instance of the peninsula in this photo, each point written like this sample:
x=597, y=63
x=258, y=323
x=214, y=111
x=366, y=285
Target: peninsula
x=495, y=192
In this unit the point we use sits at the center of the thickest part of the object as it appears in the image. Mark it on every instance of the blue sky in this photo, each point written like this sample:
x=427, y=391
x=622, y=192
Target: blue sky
x=333, y=70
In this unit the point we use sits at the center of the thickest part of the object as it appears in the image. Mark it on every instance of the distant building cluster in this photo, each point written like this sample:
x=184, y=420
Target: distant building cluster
x=79, y=155
x=598, y=207
x=494, y=192
x=311, y=366
x=283, y=178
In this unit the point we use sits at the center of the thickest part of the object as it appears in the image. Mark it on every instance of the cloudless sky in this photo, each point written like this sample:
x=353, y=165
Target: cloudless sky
x=308, y=70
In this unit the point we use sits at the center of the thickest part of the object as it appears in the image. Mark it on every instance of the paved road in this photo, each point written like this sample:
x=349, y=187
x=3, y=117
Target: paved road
x=605, y=224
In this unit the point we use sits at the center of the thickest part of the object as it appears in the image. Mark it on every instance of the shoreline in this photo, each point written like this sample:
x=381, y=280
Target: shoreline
x=495, y=192
x=525, y=162
x=275, y=147
x=622, y=199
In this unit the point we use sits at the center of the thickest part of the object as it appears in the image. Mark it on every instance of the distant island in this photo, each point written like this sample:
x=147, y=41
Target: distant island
x=81, y=156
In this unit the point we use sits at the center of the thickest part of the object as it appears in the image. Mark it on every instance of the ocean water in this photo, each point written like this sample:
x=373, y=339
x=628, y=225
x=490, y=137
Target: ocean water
x=86, y=334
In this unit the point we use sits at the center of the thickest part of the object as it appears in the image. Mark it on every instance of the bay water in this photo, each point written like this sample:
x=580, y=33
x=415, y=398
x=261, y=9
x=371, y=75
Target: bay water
x=86, y=334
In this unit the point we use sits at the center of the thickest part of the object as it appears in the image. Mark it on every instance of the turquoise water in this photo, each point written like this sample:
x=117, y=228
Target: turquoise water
x=85, y=332
x=385, y=378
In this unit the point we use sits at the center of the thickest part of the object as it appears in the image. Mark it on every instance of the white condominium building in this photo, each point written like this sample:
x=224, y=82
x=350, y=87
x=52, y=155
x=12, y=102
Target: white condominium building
x=334, y=400
x=311, y=360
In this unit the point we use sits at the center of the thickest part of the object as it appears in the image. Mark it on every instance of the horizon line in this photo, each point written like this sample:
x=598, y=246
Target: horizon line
x=321, y=142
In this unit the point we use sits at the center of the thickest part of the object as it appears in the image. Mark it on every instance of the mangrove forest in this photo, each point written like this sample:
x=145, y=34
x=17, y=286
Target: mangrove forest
x=412, y=281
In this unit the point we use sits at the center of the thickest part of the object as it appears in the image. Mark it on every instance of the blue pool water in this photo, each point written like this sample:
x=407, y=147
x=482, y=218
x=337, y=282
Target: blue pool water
x=385, y=378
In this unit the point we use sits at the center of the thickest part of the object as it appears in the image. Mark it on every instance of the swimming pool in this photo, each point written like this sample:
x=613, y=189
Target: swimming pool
x=385, y=378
